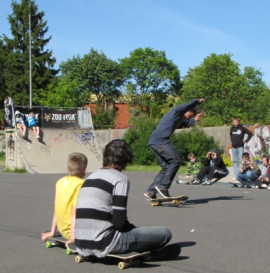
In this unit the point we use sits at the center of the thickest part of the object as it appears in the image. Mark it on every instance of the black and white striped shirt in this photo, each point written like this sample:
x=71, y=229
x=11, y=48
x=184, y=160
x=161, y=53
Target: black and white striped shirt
x=101, y=213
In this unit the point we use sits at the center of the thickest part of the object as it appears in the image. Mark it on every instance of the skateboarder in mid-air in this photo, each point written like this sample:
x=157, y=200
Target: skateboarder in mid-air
x=168, y=158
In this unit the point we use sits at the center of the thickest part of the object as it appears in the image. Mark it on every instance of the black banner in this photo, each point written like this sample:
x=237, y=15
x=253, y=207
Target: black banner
x=59, y=119
x=51, y=118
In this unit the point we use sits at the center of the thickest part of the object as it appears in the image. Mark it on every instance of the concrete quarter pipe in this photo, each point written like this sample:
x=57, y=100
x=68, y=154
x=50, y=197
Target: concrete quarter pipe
x=49, y=155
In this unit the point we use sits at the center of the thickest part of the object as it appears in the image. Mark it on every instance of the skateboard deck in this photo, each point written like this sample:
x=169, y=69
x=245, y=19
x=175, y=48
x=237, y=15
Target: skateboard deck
x=132, y=259
x=174, y=200
x=60, y=242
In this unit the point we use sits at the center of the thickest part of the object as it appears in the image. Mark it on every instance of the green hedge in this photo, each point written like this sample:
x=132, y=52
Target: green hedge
x=193, y=140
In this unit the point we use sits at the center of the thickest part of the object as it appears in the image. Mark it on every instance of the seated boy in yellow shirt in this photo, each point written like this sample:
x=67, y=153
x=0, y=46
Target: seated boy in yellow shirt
x=66, y=193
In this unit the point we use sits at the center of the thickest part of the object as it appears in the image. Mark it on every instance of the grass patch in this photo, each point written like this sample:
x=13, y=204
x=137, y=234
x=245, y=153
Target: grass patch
x=7, y=170
x=153, y=169
x=2, y=156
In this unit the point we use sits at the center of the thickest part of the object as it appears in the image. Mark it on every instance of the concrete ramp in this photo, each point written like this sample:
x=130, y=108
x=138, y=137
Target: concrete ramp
x=49, y=155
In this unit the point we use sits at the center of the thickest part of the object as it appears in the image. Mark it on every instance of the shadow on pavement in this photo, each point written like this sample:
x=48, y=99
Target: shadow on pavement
x=219, y=198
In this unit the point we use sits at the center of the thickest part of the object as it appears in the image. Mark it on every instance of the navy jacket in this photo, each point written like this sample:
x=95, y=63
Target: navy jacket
x=172, y=120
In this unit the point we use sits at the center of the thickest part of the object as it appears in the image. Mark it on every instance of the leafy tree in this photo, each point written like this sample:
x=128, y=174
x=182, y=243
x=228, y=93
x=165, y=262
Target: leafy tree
x=149, y=74
x=16, y=70
x=228, y=92
x=95, y=75
x=63, y=93
x=256, y=105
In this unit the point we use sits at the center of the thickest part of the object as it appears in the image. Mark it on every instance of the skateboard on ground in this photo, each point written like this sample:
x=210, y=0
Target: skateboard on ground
x=132, y=259
x=176, y=200
x=60, y=241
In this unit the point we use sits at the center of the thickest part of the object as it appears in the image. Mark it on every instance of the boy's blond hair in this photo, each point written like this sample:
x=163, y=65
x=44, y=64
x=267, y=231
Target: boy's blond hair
x=76, y=164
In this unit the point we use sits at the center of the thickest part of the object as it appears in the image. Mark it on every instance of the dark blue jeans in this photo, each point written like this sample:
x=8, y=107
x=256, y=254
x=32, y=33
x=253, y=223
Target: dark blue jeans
x=169, y=160
x=247, y=178
x=143, y=239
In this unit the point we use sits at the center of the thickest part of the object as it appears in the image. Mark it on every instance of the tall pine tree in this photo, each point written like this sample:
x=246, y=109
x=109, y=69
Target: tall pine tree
x=16, y=70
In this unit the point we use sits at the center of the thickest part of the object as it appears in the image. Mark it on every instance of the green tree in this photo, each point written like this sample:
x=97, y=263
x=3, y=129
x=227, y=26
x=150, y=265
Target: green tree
x=96, y=75
x=228, y=92
x=62, y=92
x=16, y=70
x=256, y=104
x=149, y=74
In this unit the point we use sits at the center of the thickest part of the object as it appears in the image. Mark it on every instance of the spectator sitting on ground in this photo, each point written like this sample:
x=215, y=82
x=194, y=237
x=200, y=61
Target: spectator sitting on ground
x=66, y=194
x=213, y=168
x=32, y=123
x=20, y=123
x=263, y=180
x=193, y=168
x=249, y=171
x=264, y=166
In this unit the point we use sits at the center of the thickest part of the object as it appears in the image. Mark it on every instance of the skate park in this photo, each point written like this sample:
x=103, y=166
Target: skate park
x=220, y=229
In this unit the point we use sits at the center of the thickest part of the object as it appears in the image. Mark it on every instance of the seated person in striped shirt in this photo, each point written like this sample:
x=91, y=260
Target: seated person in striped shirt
x=102, y=225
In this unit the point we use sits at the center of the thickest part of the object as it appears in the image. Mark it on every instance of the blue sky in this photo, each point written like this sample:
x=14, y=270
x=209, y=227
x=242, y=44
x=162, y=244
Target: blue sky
x=188, y=31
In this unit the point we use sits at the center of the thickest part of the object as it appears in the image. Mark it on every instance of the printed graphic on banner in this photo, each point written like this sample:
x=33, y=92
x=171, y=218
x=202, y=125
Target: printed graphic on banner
x=60, y=119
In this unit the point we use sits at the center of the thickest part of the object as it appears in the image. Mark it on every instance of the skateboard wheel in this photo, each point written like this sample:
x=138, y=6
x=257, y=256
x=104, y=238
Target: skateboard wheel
x=122, y=265
x=154, y=204
x=68, y=251
x=78, y=259
x=48, y=244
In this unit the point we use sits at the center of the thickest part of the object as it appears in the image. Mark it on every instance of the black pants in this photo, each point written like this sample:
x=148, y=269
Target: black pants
x=211, y=172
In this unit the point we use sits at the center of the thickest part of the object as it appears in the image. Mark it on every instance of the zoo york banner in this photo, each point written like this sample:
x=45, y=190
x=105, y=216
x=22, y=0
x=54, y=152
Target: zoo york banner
x=60, y=119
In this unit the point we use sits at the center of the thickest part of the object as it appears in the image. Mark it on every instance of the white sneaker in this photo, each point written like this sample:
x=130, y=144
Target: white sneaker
x=37, y=136
x=206, y=182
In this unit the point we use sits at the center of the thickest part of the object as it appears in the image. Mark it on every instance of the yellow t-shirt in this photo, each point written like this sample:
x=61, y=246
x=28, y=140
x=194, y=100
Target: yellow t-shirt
x=66, y=194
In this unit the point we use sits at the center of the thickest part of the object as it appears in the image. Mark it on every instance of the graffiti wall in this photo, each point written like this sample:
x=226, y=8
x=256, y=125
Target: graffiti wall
x=259, y=143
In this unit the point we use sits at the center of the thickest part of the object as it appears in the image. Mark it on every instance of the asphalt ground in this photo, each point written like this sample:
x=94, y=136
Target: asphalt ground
x=219, y=228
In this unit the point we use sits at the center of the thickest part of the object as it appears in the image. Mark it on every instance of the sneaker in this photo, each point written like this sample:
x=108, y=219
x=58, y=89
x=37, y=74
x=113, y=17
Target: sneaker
x=37, y=136
x=149, y=196
x=206, y=182
x=163, y=193
x=268, y=187
x=179, y=181
x=195, y=181
x=168, y=252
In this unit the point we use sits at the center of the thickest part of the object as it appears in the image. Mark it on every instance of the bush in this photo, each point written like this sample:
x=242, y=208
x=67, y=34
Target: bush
x=138, y=136
x=104, y=119
x=193, y=141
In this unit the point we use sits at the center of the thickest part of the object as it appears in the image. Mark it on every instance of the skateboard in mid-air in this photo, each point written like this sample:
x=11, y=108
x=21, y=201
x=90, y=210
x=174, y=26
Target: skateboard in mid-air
x=60, y=242
x=176, y=200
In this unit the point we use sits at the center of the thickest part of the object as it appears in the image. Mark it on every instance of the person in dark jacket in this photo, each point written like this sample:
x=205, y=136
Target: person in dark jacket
x=168, y=158
x=237, y=135
x=213, y=168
